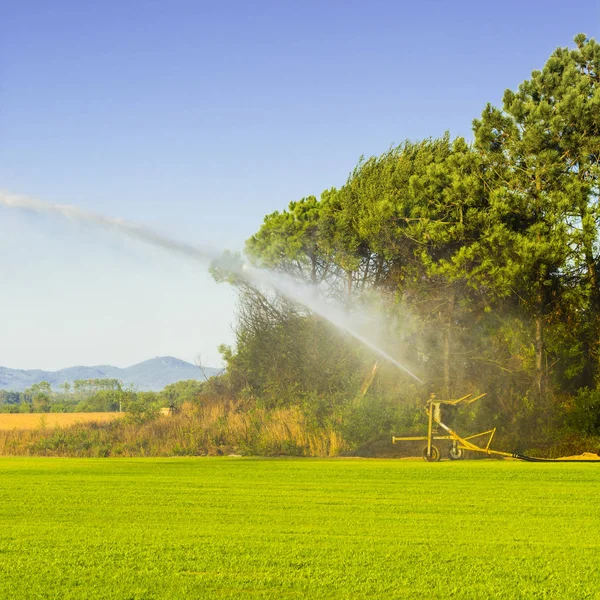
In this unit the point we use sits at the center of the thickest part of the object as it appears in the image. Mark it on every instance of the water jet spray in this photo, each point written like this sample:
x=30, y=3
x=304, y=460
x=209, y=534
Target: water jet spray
x=308, y=296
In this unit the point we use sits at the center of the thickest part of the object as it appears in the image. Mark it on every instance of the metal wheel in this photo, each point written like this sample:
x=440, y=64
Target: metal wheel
x=434, y=456
x=456, y=453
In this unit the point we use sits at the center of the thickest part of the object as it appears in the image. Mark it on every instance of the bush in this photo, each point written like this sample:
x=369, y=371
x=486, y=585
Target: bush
x=583, y=412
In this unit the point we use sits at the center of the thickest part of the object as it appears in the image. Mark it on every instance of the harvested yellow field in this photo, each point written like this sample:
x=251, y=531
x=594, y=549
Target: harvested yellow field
x=49, y=420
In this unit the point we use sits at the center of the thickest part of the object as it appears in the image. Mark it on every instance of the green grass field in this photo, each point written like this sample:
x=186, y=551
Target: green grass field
x=297, y=528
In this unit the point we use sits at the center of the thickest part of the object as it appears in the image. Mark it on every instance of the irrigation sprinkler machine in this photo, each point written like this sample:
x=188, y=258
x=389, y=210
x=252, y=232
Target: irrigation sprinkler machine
x=437, y=430
x=437, y=411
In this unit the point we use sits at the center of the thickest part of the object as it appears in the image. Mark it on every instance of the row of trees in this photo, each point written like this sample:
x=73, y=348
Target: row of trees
x=96, y=395
x=484, y=257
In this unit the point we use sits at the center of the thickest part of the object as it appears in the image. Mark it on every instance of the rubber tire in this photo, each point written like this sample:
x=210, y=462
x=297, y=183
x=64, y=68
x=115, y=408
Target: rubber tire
x=456, y=453
x=435, y=454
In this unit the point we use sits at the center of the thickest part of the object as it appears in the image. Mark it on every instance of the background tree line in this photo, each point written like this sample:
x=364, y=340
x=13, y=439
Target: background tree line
x=97, y=395
x=483, y=257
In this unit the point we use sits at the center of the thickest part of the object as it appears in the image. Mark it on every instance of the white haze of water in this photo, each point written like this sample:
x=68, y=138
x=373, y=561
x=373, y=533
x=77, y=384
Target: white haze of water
x=309, y=296
x=294, y=290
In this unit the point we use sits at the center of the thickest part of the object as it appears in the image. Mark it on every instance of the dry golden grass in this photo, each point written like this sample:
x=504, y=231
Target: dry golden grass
x=9, y=422
x=221, y=427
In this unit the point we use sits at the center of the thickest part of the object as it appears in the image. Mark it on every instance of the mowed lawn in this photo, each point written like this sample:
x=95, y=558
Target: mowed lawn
x=297, y=528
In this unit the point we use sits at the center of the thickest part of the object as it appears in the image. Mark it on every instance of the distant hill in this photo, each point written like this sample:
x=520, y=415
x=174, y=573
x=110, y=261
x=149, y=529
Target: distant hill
x=150, y=375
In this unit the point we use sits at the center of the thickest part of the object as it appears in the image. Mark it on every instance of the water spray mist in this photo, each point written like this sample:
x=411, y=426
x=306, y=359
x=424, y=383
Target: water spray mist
x=291, y=288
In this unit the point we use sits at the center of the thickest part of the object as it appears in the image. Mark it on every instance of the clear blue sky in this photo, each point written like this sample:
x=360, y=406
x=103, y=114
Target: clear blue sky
x=198, y=118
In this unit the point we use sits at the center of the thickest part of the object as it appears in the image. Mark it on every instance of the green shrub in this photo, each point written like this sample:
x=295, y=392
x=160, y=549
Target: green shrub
x=583, y=413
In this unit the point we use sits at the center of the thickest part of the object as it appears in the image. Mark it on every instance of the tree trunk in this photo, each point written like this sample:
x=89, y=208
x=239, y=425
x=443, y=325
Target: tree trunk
x=540, y=374
x=379, y=270
x=592, y=335
x=366, y=273
x=447, y=346
x=349, y=286
x=446, y=362
x=593, y=339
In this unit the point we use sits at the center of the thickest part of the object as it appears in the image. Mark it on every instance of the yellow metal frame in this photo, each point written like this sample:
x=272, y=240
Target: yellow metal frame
x=434, y=419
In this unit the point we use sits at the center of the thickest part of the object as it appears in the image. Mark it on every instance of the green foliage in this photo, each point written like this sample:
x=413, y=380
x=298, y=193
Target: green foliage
x=87, y=387
x=99, y=395
x=491, y=249
x=142, y=407
x=377, y=418
x=40, y=394
x=13, y=402
x=583, y=412
x=289, y=240
x=176, y=394
x=102, y=401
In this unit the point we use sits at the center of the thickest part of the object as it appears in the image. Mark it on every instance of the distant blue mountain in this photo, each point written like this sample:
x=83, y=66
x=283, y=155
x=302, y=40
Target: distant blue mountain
x=150, y=375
